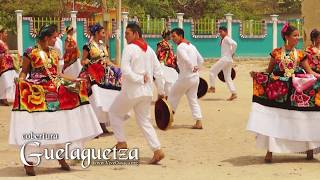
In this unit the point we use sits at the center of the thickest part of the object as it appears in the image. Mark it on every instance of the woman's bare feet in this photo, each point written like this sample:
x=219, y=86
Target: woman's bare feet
x=29, y=169
x=310, y=154
x=158, y=155
x=268, y=157
x=4, y=102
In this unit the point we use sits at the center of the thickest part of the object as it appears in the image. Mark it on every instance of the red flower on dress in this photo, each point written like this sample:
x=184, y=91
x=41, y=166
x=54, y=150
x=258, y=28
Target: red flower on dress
x=67, y=99
x=96, y=72
x=261, y=78
x=276, y=90
x=301, y=99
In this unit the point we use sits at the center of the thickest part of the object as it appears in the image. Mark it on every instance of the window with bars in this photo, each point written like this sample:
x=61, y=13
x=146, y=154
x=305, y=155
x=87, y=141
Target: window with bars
x=152, y=26
x=298, y=23
x=252, y=27
x=38, y=22
x=205, y=26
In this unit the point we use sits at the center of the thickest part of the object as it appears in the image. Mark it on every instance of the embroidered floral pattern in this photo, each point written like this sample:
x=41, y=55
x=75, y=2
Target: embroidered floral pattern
x=96, y=72
x=41, y=93
x=313, y=55
x=72, y=52
x=165, y=54
x=276, y=89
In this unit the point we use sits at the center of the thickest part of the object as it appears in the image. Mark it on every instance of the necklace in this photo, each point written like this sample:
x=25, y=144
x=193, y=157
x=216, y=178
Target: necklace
x=47, y=65
x=289, y=63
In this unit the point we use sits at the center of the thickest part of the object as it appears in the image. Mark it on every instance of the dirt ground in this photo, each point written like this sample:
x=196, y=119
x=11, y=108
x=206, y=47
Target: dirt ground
x=222, y=150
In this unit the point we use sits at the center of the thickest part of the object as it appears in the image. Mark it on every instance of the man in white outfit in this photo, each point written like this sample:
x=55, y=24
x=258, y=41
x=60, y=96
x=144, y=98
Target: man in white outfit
x=189, y=60
x=228, y=49
x=139, y=65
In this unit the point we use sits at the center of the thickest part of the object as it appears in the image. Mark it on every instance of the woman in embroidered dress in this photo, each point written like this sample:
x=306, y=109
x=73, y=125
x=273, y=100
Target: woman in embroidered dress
x=103, y=77
x=72, y=66
x=313, y=51
x=286, y=102
x=46, y=102
x=165, y=51
x=167, y=60
x=9, y=66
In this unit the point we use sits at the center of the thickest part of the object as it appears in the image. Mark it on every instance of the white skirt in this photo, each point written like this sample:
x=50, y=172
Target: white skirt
x=76, y=125
x=284, y=131
x=7, y=86
x=170, y=77
x=73, y=70
x=101, y=100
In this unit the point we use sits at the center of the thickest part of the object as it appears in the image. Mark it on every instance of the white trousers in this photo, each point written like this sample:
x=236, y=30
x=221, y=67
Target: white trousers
x=141, y=106
x=189, y=87
x=226, y=67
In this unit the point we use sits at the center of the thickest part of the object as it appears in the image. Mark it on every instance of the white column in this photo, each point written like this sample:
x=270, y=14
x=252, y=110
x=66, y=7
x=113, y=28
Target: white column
x=163, y=23
x=275, y=30
x=118, y=33
x=180, y=20
x=148, y=23
x=251, y=27
x=229, y=23
x=125, y=23
x=19, y=31
x=74, y=23
x=298, y=26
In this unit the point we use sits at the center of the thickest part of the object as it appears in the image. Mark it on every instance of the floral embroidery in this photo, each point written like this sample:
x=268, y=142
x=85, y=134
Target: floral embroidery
x=313, y=56
x=42, y=92
x=276, y=89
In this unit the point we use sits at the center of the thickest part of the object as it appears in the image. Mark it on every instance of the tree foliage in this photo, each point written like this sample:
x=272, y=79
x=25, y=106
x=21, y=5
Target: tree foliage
x=242, y=9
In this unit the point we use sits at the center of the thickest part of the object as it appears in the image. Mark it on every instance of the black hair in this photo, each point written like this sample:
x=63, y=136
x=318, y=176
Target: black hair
x=314, y=35
x=135, y=28
x=178, y=31
x=165, y=33
x=95, y=28
x=47, y=30
x=223, y=28
x=288, y=31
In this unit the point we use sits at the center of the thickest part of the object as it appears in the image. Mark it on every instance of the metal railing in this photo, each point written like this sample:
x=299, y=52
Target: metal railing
x=152, y=26
x=38, y=22
x=252, y=27
x=205, y=26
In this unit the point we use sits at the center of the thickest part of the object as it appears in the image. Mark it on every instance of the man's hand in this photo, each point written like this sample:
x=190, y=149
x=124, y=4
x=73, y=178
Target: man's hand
x=195, y=69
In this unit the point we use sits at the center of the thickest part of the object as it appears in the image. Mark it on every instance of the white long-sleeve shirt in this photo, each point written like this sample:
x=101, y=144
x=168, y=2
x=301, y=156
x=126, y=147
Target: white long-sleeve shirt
x=134, y=64
x=187, y=58
x=228, y=48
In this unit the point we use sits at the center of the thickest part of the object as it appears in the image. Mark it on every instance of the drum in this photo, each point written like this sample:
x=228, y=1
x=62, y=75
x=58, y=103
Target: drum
x=221, y=76
x=163, y=114
x=202, y=88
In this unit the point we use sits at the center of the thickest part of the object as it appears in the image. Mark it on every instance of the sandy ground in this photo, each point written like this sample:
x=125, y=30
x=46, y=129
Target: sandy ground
x=222, y=150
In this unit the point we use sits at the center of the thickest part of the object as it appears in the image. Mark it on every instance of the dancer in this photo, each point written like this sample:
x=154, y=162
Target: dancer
x=47, y=102
x=286, y=108
x=9, y=68
x=189, y=61
x=103, y=77
x=72, y=66
x=228, y=49
x=139, y=65
x=313, y=51
x=168, y=61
